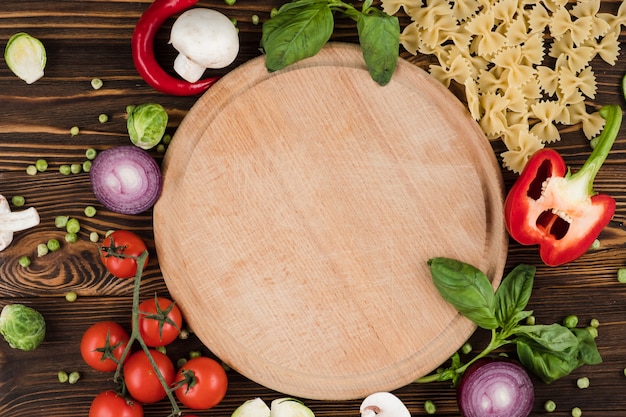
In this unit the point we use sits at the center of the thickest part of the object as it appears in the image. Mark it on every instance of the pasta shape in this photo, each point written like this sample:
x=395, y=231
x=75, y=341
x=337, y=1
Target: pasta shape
x=546, y=113
x=521, y=145
x=494, y=107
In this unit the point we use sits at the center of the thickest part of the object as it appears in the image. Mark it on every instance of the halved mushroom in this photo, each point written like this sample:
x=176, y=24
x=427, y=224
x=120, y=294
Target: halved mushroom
x=16, y=221
x=383, y=404
x=204, y=38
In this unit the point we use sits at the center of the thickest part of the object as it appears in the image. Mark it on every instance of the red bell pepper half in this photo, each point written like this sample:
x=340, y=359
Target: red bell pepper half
x=557, y=210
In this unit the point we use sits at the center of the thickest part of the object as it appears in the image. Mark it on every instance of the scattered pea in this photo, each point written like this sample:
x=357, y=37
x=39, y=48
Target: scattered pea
x=233, y=21
x=41, y=165
x=76, y=168
x=108, y=232
x=61, y=221
x=167, y=138
x=273, y=12
x=71, y=237
x=570, y=321
x=53, y=245
x=96, y=83
x=74, y=131
x=466, y=348
x=31, y=170
x=577, y=412
x=65, y=169
x=194, y=354
x=93, y=237
x=42, y=250
x=18, y=200
x=90, y=211
x=255, y=19
x=24, y=261
x=624, y=371
x=72, y=225
x=160, y=148
x=181, y=362
x=593, y=331
x=91, y=154
x=582, y=382
x=549, y=406
x=86, y=166
x=621, y=275
x=73, y=377
x=103, y=118
x=230, y=2
x=595, y=245
x=430, y=407
x=71, y=296
x=594, y=323
x=63, y=377
x=530, y=320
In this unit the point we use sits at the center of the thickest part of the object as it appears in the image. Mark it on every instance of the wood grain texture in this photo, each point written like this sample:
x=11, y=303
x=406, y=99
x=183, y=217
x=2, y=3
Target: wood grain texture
x=87, y=39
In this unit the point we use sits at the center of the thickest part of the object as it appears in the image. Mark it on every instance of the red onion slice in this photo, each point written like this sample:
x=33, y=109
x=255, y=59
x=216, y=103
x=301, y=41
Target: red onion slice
x=495, y=388
x=126, y=179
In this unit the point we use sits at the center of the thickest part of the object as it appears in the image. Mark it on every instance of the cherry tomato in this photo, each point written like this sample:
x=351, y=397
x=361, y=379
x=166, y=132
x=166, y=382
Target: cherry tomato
x=141, y=379
x=111, y=404
x=160, y=321
x=102, y=345
x=118, y=244
x=206, y=383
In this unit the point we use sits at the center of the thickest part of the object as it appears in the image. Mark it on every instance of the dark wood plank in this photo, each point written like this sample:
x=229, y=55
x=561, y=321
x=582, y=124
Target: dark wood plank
x=87, y=39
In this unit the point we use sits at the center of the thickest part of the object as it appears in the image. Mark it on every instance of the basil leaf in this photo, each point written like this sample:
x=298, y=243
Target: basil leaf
x=379, y=36
x=587, y=350
x=554, y=337
x=299, y=30
x=544, y=363
x=513, y=295
x=467, y=289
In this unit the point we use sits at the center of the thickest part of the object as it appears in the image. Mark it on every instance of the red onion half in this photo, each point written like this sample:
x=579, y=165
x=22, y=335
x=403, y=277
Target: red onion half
x=495, y=388
x=126, y=179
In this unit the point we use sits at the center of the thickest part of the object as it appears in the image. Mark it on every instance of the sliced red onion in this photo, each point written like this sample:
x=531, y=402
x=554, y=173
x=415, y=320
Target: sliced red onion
x=495, y=388
x=126, y=179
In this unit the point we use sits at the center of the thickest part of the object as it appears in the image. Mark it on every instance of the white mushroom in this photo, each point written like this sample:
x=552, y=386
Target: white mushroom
x=14, y=221
x=383, y=404
x=204, y=38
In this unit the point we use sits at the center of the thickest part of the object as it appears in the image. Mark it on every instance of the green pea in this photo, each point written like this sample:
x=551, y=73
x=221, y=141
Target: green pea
x=255, y=19
x=73, y=377
x=531, y=320
x=94, y=237
x=53, y=245
x=430, y=407
x=63, y=377
x=96, y=83
x=42, y=250
x=65, y=169
x=166, y=139
x=73, y=225
x=91, y=154
x=71, y=296
x=74, y=131
x=24, y=261
x=194, y=354
x=577, y=412
x=549, y=406
x=594, y=323
x=621, y=275
x=41, y=165
x=593, y=331
x=31, y=170
x=87, y=166
x=76, y=168
x=570, y=321
x=18, y=200
x=161, y=349
x=103, y=118
x=71, y=237
x=582, y=382
x=90, y=211
x=466, y=348
x=181, y=362
x=61, y=221
x=230, y=2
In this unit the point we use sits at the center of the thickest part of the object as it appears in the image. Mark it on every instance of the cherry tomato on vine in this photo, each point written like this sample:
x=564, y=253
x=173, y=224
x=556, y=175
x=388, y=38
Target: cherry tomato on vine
x=160, y=321
x=102, y=345
x=115, y=250
x=141, y=379
x=111, y=404
x=205, y=383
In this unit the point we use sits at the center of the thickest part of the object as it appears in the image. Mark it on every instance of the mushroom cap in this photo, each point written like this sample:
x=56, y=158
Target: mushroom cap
x=206, y=37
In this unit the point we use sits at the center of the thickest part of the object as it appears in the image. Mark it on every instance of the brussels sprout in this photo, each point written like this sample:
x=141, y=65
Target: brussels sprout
x=252, y=408
x=146, y=124
x=25, y=56
x=22, y=327
x=289, y=407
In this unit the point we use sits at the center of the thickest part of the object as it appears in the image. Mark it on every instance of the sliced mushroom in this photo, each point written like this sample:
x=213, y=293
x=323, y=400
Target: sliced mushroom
x=16, y=221
x=383, y=404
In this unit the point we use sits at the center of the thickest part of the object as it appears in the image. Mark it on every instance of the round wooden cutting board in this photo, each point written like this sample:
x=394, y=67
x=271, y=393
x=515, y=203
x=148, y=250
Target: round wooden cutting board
x=299, y=209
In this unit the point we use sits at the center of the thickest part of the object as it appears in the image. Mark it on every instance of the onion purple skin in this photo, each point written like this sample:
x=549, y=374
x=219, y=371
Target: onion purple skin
x=126, y=179
x=495, y=387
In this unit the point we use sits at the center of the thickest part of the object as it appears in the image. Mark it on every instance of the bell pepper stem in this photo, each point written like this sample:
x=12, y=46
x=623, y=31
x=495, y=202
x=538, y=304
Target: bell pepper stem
x=612, y=114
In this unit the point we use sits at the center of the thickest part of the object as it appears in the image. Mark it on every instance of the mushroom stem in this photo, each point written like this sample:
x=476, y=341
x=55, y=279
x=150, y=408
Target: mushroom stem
x=14, y=222
x=189, y=70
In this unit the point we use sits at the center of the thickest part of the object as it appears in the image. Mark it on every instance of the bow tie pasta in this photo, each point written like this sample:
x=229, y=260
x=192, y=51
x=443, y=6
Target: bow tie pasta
x=519, y=83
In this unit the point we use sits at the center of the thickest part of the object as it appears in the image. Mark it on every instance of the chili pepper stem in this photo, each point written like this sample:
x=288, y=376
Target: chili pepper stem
x=603, y=144
x=136, y=336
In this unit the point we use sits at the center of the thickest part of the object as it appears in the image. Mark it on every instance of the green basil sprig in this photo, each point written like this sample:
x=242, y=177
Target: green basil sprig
x=301, y=28
x=549, y=351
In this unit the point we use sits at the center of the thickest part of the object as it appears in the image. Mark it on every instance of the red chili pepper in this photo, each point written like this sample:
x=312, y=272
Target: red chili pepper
x=143, y=50
x=558, y=210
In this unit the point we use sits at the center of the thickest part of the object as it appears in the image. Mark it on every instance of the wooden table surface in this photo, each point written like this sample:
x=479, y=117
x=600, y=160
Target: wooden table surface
x=91, y=39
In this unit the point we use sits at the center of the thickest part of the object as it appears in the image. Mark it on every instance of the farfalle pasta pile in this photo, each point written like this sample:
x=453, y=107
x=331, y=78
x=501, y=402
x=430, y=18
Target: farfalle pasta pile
x=525, y=64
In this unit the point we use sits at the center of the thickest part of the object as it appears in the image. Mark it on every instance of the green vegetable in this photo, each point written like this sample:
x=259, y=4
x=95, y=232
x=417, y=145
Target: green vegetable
x=549, y=406
x=41, y=165
x=74, y=130
x=25, y=55
x=53, y=245
x=63, y=377
x=22, y=327
x=570, y=321
x=430, y=407
x=73, y=377
x=103, y=118
x=42, y=250
x=61, y=221
x=90, y=211
x=91, y=154
x=582, y=382
x=96, y=83
x=72, y=225
x=301, y=28
x=577, y=412
x=18, y=200
x=71, y=296
x=31, y=170
x=24, y=261
x=146, y=124
x=65, y=169
x=549, y=351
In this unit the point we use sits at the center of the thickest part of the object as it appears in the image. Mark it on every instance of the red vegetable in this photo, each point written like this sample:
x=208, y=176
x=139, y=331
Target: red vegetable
x=205, y=383
x=558, y=210
x=141, y=378
x=160, y=321
x=126, y=179
x=143, y=50
x=117, y=251
x=103, y=344
x=495, y=388
x=109, y=404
